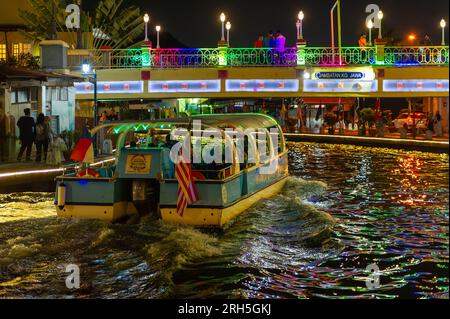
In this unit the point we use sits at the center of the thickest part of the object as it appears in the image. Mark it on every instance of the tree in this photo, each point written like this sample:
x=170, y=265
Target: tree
x=24, y=60
x=109, y=25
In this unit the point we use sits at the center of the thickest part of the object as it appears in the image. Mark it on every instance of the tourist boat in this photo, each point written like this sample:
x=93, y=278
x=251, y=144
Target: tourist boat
x=137, y=181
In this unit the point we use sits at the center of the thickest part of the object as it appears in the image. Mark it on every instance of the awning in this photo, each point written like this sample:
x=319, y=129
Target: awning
x=9, y=73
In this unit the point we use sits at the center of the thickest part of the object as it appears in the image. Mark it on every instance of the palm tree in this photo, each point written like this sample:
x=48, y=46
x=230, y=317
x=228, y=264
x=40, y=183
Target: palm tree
x=109, y=26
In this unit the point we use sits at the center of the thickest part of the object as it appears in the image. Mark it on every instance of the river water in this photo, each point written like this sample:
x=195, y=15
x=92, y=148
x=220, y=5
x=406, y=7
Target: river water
x=344, y=208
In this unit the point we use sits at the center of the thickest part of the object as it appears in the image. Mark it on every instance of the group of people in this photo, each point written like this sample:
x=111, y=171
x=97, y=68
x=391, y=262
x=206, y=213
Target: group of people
x=109, y=116
x=277, y=41
x=39, y=133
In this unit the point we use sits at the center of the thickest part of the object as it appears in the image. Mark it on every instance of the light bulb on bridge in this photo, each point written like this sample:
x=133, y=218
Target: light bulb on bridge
x=222, y=17
x=443, y=24
x=146, y=18
x=301, y=15
x=158, y=28
x=228, y=25
x=380, y=15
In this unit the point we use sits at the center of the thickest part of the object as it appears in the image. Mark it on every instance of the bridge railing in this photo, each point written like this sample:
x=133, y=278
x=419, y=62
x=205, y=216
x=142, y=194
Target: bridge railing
x=424, y=55
x=237, y=57
x=324, y=56
x=245, y=57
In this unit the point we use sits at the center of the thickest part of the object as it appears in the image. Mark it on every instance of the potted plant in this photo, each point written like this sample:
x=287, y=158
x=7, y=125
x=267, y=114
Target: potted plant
x=330, y=120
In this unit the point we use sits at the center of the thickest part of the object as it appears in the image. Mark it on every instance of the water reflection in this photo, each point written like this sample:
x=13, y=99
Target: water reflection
x=347, y=207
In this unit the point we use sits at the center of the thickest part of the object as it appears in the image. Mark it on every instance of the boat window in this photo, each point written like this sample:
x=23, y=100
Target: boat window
x=277, y=135
x=264, y=145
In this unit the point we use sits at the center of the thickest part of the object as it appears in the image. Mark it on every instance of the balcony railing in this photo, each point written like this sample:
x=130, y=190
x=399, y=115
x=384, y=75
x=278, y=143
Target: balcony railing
x=245, y=57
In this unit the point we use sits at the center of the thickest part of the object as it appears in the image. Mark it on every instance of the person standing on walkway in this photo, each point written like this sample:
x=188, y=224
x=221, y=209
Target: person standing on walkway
x=42, y=137
x=259, y=42
x=280, y=42
x=27, y=132
x=269, y=40
x=438, y=124
x=362, y=42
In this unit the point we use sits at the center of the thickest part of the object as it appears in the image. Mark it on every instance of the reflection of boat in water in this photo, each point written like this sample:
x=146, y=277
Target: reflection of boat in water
x=141, y=180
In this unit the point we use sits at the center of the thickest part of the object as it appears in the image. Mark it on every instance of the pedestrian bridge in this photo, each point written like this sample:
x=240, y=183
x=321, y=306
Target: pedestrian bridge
x=378, y=71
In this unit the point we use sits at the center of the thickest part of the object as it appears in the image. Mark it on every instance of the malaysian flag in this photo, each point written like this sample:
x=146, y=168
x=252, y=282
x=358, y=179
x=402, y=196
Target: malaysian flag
x=187, y=193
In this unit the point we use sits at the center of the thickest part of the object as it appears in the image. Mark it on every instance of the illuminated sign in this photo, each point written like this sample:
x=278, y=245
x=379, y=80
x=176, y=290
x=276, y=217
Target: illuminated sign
x=110, y=87
x=340, y=86
x=339, y=75
x=184, y=86
x=361, y=73
x=415, y=86
x=262, y=85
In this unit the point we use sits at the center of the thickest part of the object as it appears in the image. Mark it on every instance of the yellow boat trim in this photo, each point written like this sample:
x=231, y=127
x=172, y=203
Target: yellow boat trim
x=218, y=217
x=109, y=213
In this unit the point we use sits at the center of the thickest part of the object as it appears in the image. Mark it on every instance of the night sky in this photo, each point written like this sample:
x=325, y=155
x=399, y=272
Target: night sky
x=196, y=22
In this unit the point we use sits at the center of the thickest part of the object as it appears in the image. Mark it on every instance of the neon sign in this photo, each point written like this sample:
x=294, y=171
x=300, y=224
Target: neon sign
x=340, y=86
x=110, y=87
x=262, y=85
x=184, y=86
x=415, y=85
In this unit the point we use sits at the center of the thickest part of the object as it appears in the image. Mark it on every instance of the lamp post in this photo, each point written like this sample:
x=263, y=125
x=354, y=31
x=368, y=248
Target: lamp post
x=228, y=26
x=443, y=24
x=337, y=5
x=370, y=26
x=380, y=17
x=86, y=69
x=146, y=20
x=222, y=19
x=158, y=28
x=299, y=25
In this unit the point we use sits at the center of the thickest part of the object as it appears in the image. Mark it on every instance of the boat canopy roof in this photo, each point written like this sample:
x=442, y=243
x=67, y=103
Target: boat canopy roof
x=221, y=121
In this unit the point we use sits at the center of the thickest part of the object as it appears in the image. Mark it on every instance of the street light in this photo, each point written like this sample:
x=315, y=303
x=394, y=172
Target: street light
x=380, y=17
x=443, y=24
x=86, y=69
x=299, y=25
x=158, y=28
x=222, y=19
x=228, y=26
x=370, y=26
x=146, y=20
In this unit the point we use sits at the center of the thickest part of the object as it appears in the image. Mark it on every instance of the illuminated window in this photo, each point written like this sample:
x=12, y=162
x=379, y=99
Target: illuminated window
x=19, y=48
x=2, y=51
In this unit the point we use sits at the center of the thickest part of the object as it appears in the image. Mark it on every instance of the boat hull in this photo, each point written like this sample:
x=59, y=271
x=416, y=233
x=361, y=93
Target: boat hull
x=105, y=212
x=219, y=217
